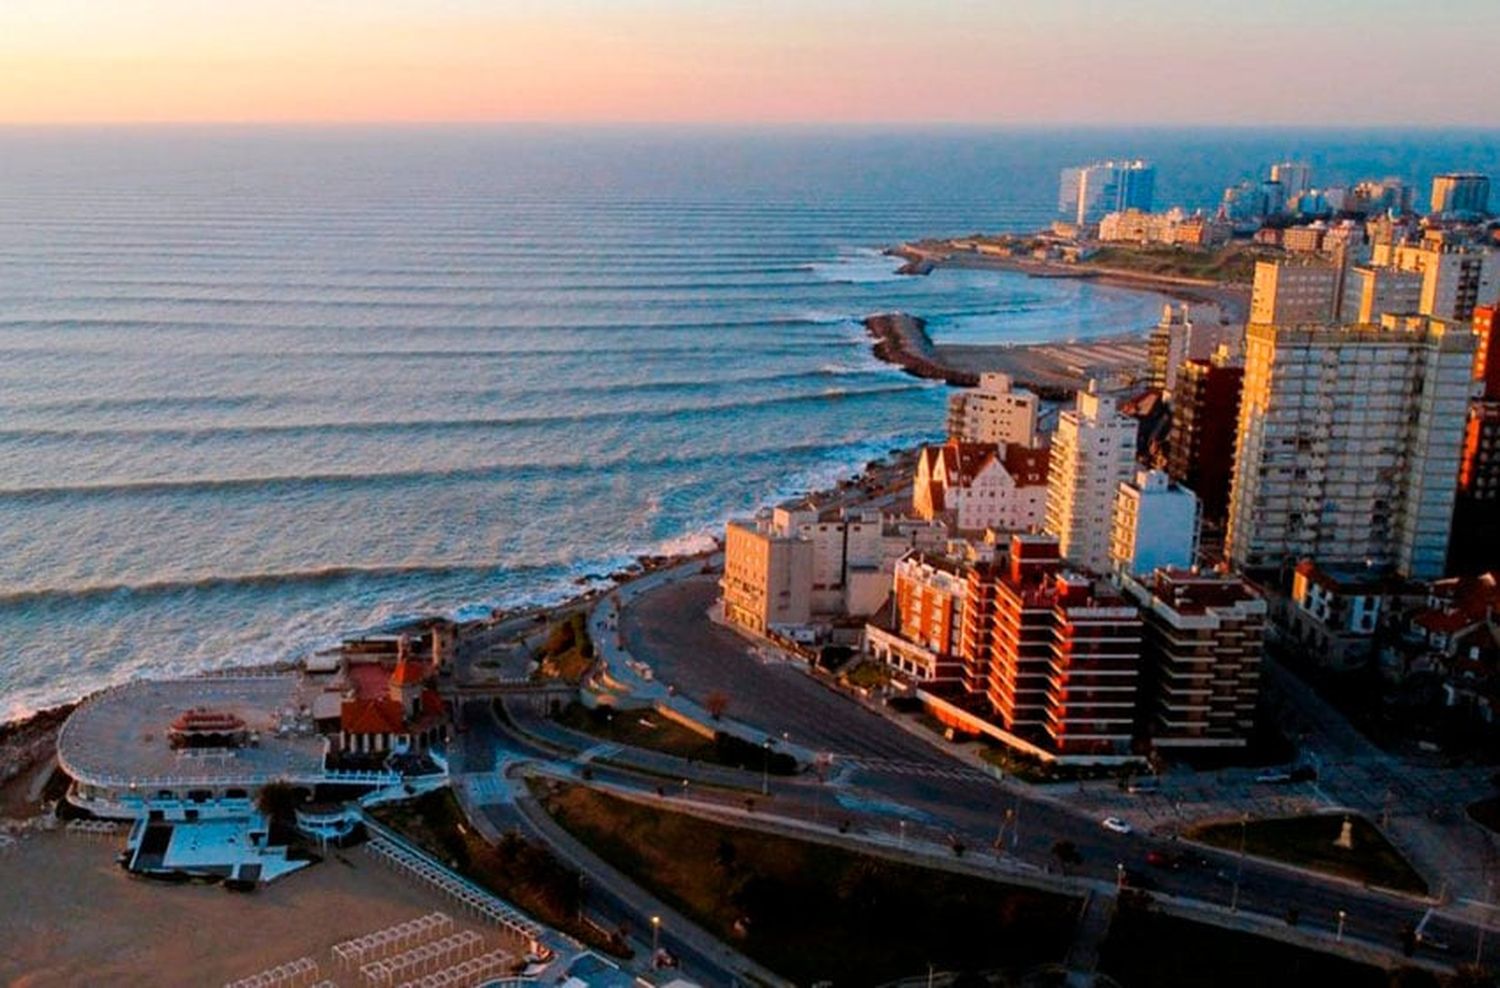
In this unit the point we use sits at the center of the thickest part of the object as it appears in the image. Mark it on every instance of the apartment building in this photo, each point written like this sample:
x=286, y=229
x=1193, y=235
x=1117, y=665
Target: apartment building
x=922, y=641
x=1204, y=636
x=995, y=412
x=1177, y=338
x=1461, y=193
x=1205, y=413
x=1370, y=292
x=974, y=487
x=1456, y=277
x=1348, y=444
x=1295, y=293
x=1155, y=525
x=1093, y=450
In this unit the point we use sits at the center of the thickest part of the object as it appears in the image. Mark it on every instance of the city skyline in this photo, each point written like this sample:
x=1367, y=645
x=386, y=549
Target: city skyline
x=1072, y=63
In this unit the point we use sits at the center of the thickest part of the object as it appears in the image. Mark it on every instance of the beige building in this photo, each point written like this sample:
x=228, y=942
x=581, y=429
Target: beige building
x=800, y=564
x=767, y=579
x=1093, y=450
x=1456, y=277
x=1348, y=444
x=995, y=412
x=1371, y=292
x=1295, y=293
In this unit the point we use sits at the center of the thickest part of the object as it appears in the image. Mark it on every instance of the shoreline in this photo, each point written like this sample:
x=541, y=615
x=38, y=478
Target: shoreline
x=922, y=257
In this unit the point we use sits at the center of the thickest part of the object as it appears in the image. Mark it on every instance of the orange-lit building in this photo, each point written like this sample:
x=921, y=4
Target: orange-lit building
x=1475, y=544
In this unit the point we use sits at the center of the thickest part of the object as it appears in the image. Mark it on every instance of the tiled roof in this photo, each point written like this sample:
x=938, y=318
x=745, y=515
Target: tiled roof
x=371, y=717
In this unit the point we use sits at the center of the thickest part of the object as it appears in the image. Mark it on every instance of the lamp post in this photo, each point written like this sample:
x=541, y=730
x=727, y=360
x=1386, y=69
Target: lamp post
x=1339, y=936
x=765, y=768
x=655, y=940
x=1239, y=867
x=1119, y=877
x=902, y=825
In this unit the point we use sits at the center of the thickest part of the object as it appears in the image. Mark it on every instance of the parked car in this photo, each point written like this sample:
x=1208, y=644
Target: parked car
x=1115, y=825
x=1142, y=787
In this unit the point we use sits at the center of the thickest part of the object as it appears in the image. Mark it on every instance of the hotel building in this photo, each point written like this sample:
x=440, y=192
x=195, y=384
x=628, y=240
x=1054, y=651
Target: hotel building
x=974, y=487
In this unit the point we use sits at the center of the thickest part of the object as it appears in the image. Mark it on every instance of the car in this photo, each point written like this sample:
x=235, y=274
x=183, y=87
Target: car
x=1432, y=943
x=1115, y=825
x=1274, y=778
x=1142, y=787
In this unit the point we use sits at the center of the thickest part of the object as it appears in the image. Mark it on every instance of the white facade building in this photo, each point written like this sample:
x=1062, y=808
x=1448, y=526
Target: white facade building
x=1348, y=444
x=1156, y=525
x=994, y=412
x=1093, y=450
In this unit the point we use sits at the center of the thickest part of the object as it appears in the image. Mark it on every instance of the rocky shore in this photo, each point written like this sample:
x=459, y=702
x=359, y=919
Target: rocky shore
x=902, y=339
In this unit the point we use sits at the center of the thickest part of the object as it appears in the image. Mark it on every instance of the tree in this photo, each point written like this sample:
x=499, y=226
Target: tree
x=278, y=801
x=716, y=703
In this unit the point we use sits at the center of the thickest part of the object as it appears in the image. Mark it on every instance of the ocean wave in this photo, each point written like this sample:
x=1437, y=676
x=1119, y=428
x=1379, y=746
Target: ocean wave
x=492, y=471
x=407, y=329
x=420, y=425
x=220, y=582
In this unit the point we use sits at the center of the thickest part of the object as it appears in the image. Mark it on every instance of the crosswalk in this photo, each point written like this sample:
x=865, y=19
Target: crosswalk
x=891, y=766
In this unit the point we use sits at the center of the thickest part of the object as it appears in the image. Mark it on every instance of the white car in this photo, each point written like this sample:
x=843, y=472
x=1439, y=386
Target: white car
x=1115, y=825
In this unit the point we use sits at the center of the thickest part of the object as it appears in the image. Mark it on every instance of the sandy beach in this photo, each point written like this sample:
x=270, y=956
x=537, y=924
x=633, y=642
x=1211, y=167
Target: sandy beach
x=73, y=917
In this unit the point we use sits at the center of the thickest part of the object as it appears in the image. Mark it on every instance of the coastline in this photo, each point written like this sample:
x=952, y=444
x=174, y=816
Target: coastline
x=925, y=256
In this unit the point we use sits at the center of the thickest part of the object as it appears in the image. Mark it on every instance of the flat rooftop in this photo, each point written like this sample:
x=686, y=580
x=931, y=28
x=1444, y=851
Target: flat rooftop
x=120, y=736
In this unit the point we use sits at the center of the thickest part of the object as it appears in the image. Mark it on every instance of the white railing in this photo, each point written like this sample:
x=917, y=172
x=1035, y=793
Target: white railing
x=300, y=973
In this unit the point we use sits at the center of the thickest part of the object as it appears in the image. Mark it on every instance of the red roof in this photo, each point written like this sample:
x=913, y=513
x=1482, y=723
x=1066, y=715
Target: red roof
x=1026, y=465
x=371, y=717
x=409, y=673
x=1444, y=622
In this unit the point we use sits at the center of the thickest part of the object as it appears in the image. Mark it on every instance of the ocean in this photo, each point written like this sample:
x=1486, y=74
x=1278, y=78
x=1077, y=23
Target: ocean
x=261, y=387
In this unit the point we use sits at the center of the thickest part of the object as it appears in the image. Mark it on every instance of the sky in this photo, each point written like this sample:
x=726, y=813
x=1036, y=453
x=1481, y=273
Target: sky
x=1050, y=62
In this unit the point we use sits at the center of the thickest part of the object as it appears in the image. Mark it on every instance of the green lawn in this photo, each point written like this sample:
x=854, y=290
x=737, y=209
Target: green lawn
x=811, y=912
x=1308, y=841
x=1234, y=263
x=1150, y=949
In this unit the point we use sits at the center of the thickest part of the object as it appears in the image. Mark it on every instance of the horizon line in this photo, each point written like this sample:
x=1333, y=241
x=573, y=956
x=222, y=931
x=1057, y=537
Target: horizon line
x=895, y=124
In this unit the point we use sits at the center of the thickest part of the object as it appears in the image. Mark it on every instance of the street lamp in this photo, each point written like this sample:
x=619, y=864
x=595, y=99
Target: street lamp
x=1339, y=936
x=765, y=768
x=1239, y=867
x=655, y=940
x=902, y=825
x=1119, y=877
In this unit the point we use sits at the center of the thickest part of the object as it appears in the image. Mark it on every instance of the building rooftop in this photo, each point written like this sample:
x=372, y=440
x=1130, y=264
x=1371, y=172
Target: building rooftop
x=121, y=736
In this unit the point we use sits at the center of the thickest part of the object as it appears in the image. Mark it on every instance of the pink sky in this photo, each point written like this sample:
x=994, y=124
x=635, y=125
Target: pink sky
x=996, y=61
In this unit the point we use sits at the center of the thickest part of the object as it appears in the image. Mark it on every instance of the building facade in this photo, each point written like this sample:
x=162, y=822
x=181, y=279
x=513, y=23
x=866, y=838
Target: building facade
x=1295, y=293
x=1200, y=452
x=1368, y=480
x=1177, y=338
x=1087, y=193
x=1093, y=450
x=1204, y=640
x=995, y=412
x=1155, y=525
x=1461, y=193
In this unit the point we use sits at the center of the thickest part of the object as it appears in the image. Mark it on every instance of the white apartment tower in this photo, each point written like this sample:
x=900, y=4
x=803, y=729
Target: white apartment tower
x=1348, y=444
x=1088, y=193
x=995, y=412
x=1093, y=450
x=1155, y=525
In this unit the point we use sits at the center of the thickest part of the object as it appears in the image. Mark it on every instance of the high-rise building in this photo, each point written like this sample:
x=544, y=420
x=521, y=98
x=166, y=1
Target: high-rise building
x=1205, y=413
x=1087, y=193
x=1093, y=450
x=1348, y=444
x=1371, y=292
x=994, y=412
x=1295, y=293
x=1156, y=525
x=1177, y=338
x=1461, y=193
x=1053, y=656
x=1204, y=638
x=1475, y=545
x=1294, y=177
x=1456, y=277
